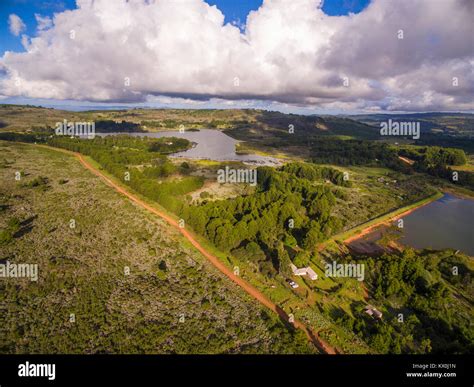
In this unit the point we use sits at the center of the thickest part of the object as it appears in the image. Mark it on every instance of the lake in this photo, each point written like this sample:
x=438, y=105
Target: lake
x=444, y=223
x=208, y=144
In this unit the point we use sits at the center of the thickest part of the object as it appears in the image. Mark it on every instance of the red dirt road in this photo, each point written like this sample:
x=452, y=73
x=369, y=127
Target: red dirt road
x=252, y=291
x=406, y=160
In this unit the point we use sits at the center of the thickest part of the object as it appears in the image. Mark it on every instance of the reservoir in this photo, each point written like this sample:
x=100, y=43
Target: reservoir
x=208, y=144
x=444, y=223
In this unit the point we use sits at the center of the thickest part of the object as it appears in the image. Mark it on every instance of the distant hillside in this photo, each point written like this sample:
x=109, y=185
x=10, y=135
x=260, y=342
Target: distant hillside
x=458, y=124
x=440, y=129
x=257, y=127
x=243, y=123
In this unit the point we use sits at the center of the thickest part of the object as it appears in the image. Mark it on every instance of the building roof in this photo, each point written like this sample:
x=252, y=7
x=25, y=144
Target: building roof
x=378, y=313
x=311, y=273
x=371, y=311
x=304, y=271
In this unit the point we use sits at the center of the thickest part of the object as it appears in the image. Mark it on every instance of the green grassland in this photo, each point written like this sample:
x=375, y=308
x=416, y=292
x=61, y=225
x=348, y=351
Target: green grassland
x=173, y=300
x=248, y=228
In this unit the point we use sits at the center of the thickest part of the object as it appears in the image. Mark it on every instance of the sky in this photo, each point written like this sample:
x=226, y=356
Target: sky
x=302, y=56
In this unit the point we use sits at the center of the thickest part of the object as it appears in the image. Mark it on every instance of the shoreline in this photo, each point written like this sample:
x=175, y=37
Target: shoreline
x=367, y=230
x=456, y=192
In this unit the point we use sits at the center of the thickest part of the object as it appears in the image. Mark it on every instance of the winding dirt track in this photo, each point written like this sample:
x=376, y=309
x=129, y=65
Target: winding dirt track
x=252, y=291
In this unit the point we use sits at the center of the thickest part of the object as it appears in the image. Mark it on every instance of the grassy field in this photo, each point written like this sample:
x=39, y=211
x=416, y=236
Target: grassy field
x=119, y=281
x=143, y=312
x=306, y=303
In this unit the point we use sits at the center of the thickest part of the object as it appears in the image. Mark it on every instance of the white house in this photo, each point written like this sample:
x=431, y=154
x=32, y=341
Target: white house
x=377, y=314
x=304, y=271
x=371, y=311
x=311, y=273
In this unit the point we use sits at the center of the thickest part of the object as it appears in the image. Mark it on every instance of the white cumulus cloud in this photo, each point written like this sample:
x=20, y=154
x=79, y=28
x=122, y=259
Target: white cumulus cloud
x=44, y=22
x=394, y=55
x=15, y=24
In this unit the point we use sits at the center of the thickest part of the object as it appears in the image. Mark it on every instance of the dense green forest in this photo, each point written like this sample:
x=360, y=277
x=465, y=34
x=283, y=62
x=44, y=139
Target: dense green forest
x=24, y=137
x=437, y=161
x=290, y=207
x=109, y=126
x=435, y=155
x=425, y=296
x=464, y=143
x=355, y=152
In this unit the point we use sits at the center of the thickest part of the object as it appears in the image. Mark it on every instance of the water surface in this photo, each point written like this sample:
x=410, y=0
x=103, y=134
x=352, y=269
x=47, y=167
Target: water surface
x=445, y=223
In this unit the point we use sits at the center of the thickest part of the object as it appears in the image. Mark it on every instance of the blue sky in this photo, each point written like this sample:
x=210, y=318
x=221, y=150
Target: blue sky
x=26, y=9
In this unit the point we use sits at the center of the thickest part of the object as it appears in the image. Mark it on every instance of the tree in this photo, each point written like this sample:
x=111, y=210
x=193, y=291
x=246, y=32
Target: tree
x=313, y=236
